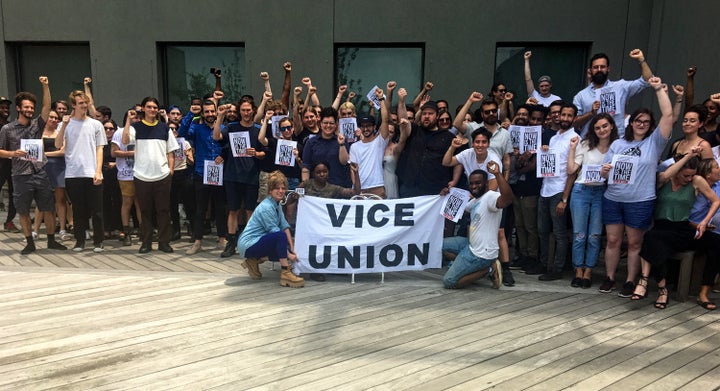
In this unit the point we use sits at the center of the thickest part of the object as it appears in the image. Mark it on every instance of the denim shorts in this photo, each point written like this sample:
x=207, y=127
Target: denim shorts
x=638, y=215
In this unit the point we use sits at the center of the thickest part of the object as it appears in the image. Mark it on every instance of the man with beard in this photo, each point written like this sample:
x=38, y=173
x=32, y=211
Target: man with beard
x=476, y=255
x=526, y=192
x=6, y=170
x=607, y=96
x=368, y=153
x=420, y=170
x=554, y=195
x=199, y=133
x=241, y=174
x=29, y=178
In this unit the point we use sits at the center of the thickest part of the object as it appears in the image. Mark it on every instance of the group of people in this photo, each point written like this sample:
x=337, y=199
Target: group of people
x=594, y=167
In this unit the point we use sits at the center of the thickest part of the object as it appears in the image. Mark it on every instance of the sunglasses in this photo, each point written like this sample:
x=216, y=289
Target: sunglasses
x=285, y=128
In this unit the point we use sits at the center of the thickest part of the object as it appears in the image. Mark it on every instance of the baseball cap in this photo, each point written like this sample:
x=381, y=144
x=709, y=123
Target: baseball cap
x=431, y=104
x=366, y=119
x=5, y=100
x=545, y=78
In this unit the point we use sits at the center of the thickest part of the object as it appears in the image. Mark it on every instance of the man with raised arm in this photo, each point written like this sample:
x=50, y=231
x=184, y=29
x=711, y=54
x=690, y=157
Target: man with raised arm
x=369, y=151
x=83, y=138
x=607, y=96
x=542, y=94
x=30, y=181
x=476, y=255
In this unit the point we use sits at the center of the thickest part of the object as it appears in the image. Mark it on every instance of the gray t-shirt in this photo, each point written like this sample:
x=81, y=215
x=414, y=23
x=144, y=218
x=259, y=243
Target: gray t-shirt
x=648, y=152
x=10, y=136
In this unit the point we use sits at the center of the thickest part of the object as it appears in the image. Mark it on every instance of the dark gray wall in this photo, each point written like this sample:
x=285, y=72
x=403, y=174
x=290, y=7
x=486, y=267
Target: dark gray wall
x=459, y=37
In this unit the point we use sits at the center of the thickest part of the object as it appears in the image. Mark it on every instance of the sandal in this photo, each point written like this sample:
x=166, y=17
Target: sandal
x=662, y=292
x=708, y=305
x=640, y=291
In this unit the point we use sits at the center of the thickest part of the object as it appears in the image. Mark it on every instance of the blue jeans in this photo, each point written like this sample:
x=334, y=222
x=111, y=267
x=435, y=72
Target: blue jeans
x=550, y=221
x=586, y=212
x=465, y=263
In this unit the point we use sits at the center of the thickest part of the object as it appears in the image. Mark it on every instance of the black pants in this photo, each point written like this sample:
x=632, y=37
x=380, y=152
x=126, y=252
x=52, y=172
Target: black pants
x=154, y=196
x=87, y=200
x=182, y=191
x=203, y=195
x=6, y=176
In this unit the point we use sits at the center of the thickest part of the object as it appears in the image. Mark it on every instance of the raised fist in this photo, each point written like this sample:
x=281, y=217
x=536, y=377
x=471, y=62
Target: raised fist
x=287, y=66
x=264, y=76
x=527, y=55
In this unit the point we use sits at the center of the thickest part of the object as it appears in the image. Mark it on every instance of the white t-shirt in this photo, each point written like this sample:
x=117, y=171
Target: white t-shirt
x=485, y=219
x=586, y=157
x=544, y=101
x=560, y=143
x=125, y=165
x=82, y=137
x=369, y=157
x=468, y=159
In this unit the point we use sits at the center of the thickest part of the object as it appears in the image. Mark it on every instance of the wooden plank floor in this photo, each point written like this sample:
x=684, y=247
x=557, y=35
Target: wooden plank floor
x=118, y=320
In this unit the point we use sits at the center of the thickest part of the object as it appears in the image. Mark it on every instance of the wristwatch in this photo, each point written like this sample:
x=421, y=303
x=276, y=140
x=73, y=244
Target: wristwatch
x=564, y=200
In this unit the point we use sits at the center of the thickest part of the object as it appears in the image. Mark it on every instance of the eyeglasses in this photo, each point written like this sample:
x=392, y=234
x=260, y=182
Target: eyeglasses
x=285, y=128
x=502, y=90
x=444, y=120
x=642, y=123
x=491, y=111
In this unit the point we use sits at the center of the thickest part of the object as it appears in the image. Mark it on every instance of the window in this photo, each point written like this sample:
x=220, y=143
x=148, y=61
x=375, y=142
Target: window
x=565, y=63
x=363, y=66
x=65, y=64
x=186, y=71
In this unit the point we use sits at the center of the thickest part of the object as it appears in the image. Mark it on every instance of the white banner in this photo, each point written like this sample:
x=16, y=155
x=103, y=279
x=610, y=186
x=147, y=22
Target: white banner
x=368, y=236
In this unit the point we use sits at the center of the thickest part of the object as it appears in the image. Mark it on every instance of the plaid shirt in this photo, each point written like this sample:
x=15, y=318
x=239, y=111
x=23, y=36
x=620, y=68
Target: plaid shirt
x=10, y=136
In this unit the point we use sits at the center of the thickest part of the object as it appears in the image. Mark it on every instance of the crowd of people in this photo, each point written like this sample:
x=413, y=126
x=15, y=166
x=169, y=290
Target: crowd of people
x=594, y=169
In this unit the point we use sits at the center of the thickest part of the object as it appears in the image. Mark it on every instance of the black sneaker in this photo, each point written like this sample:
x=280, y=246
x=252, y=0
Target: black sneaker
x=536, y=269
x=576, y=282
x=55, y=245
x=229, y=249
x=627, y=289
x=29, y=248
x=607, y=286
x=507, y=277
x=550, y=276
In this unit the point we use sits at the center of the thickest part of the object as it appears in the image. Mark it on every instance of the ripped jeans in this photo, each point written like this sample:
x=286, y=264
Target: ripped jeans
x=586, y=213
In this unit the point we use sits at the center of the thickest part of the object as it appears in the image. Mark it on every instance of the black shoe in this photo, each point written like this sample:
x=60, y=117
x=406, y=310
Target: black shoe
x=586, y=283
x=507, y=277
x=627, y=289
x=164, y=247
x=519, y=263
x=55, y=246
x=550, y=276
x=535, y=269
x=229, y=249
x=576, y=282
x=29, y=248
x=607, y=286
x=145, y=248
x=319, y=277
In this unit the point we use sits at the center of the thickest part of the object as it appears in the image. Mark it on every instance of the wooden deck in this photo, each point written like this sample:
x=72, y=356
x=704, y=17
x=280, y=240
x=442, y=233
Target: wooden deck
x=119, y=320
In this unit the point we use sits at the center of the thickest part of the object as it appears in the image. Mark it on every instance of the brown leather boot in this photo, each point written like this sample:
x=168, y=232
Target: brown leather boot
x=251, y=264
x=287, y=278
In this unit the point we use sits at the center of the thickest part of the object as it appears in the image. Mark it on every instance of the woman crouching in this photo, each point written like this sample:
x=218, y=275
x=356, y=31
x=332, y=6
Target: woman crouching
x=267, y=234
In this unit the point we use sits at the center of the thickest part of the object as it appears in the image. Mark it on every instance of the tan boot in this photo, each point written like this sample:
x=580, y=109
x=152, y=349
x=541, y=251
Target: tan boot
x=251, y=264
x=287, y=278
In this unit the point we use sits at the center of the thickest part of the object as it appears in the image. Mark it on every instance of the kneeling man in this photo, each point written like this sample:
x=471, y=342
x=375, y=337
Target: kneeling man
x=476, y=255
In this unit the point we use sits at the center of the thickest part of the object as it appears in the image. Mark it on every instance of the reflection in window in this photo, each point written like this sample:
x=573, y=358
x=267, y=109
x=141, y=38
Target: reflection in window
x=565, y=63
x=186, y=71
x=362, y=67
x=65, y=64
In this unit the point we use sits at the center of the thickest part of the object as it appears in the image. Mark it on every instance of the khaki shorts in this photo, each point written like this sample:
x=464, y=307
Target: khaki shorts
x=127, y=188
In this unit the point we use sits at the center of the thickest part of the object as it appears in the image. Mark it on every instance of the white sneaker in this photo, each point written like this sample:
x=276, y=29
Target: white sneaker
x=99, y=248
x=64, y=236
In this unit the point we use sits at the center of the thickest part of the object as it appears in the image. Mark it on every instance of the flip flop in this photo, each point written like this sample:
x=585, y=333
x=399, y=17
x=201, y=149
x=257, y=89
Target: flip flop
x=708, y=305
